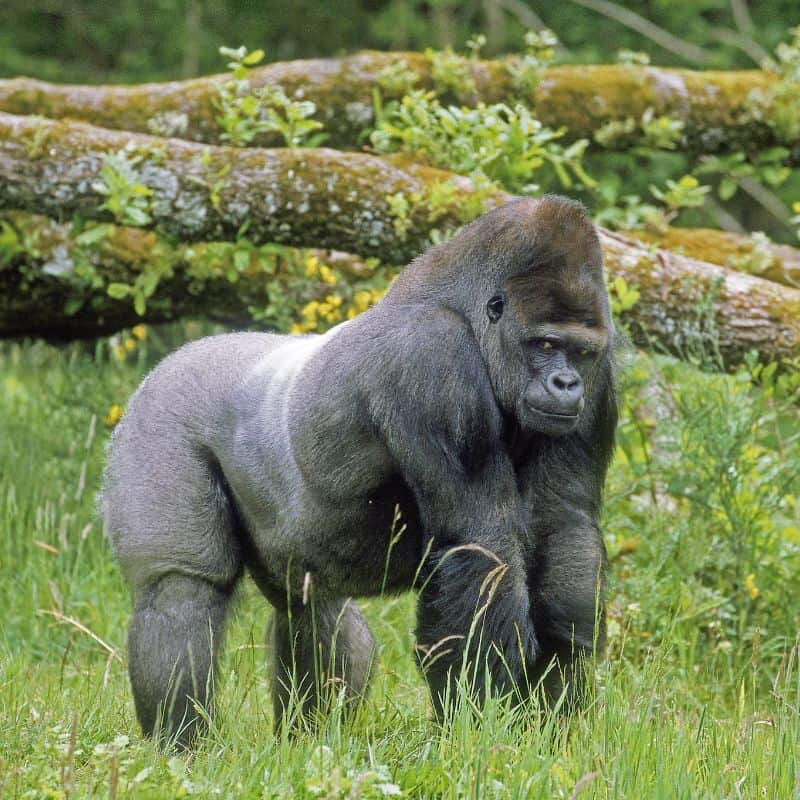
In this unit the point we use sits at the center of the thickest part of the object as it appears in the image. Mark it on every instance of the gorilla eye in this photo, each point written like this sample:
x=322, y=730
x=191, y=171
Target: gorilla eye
x=494, y=308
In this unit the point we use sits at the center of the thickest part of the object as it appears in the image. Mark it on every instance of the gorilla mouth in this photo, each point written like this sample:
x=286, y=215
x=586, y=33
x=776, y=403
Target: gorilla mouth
x=554, y=414
x=551, y=422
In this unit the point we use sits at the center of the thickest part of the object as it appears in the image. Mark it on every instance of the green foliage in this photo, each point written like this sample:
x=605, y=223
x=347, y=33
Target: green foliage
x=397, y=78
x=243, y=113
x=290, y=118
x=623, y=297
x=506, y=144
x=127, y=198
x=715, y=464
x=451, y=73
x=629, y=212
x=768, y=167
x=780, y=103
x=527, y=69
x=758, y=259
x=684, y=193
x=441, y=198
x=656, y=132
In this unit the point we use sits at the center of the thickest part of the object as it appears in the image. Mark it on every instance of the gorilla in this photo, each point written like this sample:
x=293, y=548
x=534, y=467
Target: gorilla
x=453, y=439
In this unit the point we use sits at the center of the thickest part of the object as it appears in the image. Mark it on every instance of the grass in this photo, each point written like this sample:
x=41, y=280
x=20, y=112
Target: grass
x=698, y=695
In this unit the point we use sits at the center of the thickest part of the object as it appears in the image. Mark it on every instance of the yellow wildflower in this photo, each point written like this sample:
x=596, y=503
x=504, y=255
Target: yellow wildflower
x=796, y=206
x=334, y=300
x=312, y=262
x=750, y=586
x=327, y=274
x=139, y=332
x=114, y=415
x=119, y=352
x=362, y=300
x=311, y=309
x=296, y=328
x=629, y=545
x=130, y=344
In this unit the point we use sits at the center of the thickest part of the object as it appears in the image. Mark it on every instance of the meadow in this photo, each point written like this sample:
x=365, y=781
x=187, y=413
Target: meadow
x=698, y=694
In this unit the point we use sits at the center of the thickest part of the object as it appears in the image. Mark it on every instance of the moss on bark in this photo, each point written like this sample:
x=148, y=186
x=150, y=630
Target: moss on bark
x=303, y=197
x=775, y=262
x=715, y=107
x=42, y=291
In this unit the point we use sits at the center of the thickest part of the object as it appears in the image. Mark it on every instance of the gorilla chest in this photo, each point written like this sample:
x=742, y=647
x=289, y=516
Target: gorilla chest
x=368, y=544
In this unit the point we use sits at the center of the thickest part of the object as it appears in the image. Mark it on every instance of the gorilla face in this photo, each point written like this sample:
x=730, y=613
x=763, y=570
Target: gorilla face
x=546, y=336
x=561, y=365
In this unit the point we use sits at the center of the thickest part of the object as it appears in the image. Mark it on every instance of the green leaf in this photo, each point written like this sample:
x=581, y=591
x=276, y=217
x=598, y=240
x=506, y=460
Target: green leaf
x=251, y=59
x=241, y=260
x=73, y=305
x=118, y=291
x=727, y=188
x=94, y=235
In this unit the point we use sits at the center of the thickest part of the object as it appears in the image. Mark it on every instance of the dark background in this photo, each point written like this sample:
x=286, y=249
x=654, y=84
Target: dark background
x=140, y=40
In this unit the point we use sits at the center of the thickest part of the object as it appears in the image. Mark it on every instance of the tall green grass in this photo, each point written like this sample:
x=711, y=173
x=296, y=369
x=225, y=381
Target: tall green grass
x=698, y=695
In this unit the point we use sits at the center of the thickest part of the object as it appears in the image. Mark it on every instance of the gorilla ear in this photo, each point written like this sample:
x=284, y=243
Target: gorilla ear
x=494, y=308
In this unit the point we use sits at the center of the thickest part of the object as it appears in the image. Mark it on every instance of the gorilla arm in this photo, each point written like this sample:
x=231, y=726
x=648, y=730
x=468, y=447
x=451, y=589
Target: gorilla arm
x=562, y=490
x=439, y=419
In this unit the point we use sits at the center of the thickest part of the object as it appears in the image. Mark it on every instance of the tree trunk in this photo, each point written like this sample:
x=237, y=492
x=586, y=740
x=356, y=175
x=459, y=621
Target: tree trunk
x=775, y=262
x=685, y=304
x=55, y=286
x=717, y=108
x=44, y=291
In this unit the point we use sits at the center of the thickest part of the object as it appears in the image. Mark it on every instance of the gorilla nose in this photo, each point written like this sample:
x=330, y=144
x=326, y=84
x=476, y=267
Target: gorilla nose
x=566, y=386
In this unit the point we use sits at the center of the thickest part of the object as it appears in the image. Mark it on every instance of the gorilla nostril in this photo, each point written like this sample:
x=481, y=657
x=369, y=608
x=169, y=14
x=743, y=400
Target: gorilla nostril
x=564, y=382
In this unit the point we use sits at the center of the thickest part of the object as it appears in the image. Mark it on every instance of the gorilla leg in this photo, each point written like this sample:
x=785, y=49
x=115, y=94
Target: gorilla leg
x=318, y=650
x=175, y=634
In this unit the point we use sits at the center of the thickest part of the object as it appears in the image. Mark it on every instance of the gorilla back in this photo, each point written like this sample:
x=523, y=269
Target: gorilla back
x=458, y=433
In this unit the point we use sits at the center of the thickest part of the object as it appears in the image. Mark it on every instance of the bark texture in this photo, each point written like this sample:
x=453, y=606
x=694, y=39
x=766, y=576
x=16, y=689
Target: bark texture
x=302, y=197
x=716, y=107
x=52, y=285
x=775, y=262
x=682, y=301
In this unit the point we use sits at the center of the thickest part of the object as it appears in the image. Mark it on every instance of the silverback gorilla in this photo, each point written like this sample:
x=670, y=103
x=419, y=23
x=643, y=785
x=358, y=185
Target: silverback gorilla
x=475, y=402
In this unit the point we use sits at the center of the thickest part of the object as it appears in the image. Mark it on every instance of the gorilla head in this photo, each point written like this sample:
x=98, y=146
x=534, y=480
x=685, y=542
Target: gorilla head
x=528, y=276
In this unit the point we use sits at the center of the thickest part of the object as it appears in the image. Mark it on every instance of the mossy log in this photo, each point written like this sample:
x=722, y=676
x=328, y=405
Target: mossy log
x=301, y=197
x=758, y=256
x=716, y=107
x=54, y=285
x=686, y=304
x=44, y=290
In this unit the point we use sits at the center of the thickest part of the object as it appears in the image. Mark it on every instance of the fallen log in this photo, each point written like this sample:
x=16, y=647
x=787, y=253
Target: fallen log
x=54, y=280
x=298, y=196
x=718, y=109
x=44, y=293
x=685, y=305
x=753, y=254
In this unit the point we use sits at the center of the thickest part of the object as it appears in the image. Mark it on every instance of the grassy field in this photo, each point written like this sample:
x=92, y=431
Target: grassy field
x=698, y=695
